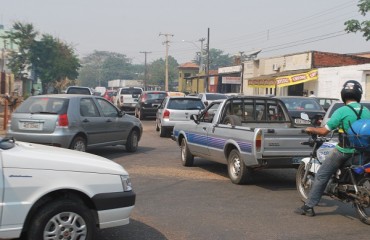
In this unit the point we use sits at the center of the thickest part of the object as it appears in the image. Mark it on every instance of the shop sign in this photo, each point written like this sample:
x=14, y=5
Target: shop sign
x=231, y=80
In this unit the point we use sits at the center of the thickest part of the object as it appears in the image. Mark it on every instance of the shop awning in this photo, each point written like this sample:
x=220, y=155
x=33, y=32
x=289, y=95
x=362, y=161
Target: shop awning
x=283, y=79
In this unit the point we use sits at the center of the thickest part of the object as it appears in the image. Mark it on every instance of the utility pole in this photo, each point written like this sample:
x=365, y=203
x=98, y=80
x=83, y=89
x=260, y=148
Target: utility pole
x=146, y=71
x=207, y=78
x=241, y=72
x=167, y=46
x=201, y=68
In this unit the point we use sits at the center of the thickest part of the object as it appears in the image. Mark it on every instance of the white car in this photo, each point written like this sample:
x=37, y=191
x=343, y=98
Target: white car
x=55, y=193
x=174, y=110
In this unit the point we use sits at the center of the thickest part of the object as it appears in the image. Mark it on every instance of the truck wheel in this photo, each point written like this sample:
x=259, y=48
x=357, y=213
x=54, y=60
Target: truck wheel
x=132, y=141
x=187, y=159
x=78, y=144
x=238, y=172
x=232, y=120
x=62, y=219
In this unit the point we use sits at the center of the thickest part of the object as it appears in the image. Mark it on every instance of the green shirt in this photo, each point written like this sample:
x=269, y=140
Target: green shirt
x=341, y=119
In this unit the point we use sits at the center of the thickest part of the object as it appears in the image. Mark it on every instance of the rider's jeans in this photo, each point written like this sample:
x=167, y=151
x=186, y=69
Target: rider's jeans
x=331, y=164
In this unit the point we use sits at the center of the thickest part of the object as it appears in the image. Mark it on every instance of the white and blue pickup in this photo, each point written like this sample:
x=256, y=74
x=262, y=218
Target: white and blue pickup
x=244, y=132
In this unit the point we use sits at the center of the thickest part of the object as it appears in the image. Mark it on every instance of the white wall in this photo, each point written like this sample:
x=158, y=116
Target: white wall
x=331, y=80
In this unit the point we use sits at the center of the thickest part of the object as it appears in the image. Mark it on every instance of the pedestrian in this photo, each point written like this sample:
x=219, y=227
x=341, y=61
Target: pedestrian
x=341, y=119
x=312, y=94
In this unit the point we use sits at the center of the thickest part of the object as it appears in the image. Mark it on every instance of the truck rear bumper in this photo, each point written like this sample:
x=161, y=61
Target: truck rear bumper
x=281, y=162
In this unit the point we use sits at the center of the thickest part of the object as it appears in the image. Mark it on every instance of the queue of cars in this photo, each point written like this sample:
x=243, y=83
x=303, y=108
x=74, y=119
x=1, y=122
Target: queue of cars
x=80, y=120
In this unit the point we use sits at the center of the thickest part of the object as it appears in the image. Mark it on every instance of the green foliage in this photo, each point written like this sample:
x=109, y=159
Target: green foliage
x=217, y=59
x=354, y=25
x=102, y=66
x=157, y=74
x=50, y=59
x=23, y=35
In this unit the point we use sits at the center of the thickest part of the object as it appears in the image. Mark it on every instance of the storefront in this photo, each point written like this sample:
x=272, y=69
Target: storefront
x=289, y=83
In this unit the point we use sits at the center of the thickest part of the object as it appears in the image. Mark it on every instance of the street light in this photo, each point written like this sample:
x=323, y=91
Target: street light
x=201, y=68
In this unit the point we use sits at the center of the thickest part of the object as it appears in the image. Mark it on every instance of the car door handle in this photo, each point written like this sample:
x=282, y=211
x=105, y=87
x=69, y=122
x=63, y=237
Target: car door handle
x=85, y=120
x=109, y=120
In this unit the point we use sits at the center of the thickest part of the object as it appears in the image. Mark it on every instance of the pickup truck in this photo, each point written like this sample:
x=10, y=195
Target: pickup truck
x=246, y=133
x=127, y=98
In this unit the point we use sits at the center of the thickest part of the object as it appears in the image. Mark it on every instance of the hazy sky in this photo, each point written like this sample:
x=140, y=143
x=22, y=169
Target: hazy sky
x=130, y=27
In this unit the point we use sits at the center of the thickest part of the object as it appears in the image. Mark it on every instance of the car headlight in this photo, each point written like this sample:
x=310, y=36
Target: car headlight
x=126, y=183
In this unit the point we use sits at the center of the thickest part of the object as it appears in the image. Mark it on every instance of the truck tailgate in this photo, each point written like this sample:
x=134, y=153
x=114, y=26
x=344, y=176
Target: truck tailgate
x=284, y=142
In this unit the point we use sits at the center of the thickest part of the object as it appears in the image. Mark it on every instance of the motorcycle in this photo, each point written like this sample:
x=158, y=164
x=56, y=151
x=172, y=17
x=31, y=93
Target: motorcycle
x=351, y=183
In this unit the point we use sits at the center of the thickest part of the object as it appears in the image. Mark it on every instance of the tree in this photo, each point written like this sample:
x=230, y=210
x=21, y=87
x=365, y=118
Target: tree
x=53, y=61
x=157, y=74
x=217, y=59
x=101, y=66
x=49, y=59
x=354, y=25
x=23, y=36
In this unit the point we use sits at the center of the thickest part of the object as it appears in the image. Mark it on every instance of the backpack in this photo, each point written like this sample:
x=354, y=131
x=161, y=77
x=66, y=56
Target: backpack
x=358, y=134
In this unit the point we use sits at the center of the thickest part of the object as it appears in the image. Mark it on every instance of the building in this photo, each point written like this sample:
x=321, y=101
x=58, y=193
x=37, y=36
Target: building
x=293, y=74
x=188, y=78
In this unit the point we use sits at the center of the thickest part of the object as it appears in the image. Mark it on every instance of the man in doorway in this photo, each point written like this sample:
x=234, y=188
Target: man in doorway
x=312, y=94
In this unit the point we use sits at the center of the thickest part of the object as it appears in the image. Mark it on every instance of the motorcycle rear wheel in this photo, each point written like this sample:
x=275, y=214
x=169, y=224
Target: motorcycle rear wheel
x=362, y=209
x=303, y=188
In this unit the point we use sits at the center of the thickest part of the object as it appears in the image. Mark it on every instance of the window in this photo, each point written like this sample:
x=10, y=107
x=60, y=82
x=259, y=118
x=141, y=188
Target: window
x=88, y=108
x=108, y=109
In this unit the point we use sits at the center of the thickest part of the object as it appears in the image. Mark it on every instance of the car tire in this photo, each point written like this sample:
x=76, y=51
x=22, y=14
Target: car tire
x=140, y=115
x=162, y=131
x=132, y=142
x=238, y=172
x=79, y=144
x=60, y=219
x=156, y=126
x=187, y=159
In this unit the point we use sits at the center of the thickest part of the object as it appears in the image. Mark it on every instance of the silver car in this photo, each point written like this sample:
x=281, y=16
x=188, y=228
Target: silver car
x=74, y=121
x=176, y=110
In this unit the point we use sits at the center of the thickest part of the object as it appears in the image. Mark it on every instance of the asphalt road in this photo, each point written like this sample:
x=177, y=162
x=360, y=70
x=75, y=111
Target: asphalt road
x=200, y=203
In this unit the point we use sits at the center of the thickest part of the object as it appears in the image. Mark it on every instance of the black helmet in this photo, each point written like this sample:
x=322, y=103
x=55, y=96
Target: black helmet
x=351, y=90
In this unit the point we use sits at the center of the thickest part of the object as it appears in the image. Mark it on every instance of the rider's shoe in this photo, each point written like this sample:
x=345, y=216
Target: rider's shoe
x=305, y=210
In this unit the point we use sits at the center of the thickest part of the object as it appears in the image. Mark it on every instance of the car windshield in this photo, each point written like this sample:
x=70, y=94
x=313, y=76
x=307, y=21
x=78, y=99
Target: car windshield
x=74, y=90
x=296, y=104
x=156, y=95
x=215, y=96
x=185, y=104
x=43, y=105
x=131, y=91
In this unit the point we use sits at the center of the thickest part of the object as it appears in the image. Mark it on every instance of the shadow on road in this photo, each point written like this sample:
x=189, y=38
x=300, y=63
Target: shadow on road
x=135, y=230
x=271, y=179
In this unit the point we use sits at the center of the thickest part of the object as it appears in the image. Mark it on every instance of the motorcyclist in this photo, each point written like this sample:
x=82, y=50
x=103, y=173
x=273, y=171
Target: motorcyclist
x=341, y=119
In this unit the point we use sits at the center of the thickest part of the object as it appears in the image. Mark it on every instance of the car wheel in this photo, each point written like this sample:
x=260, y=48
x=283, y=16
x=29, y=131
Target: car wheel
x=187, y=159
x=62, y=219
x=79, y=144
x=156, y=126
x=162, y=131
x=132, y=141
x=140, y=114
x=238, y=172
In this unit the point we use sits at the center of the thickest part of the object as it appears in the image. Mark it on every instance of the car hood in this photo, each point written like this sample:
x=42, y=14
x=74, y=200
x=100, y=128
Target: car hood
x=35, y=156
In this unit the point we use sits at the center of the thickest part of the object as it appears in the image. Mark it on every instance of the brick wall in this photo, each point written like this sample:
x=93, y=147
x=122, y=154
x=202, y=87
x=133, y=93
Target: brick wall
x=323, y=59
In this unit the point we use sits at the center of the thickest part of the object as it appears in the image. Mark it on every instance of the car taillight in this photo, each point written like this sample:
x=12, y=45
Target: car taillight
x=63, y=120
x=166, y=114
x=258, y=141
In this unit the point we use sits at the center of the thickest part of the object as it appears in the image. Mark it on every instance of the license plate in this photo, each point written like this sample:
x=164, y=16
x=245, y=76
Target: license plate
x=296, y=160
x=30, y=125
x=301, y=121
